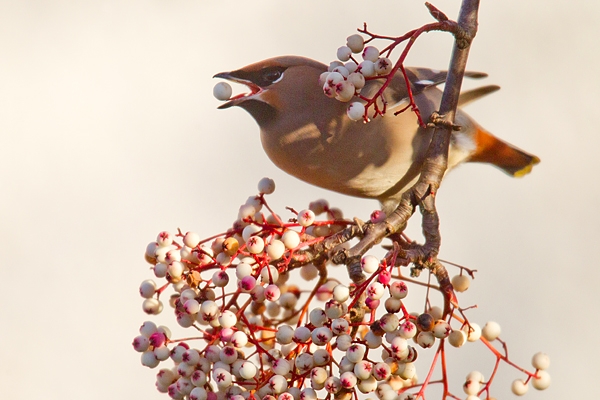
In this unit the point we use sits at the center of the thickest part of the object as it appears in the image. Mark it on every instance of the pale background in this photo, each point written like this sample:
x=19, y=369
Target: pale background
x=110, y=134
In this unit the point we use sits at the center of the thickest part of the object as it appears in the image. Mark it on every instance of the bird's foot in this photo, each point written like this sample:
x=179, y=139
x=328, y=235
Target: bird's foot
x=438, y=121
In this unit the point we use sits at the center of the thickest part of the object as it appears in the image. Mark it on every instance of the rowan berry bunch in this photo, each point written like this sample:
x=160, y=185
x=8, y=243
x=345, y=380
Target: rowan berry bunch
x=270, y=321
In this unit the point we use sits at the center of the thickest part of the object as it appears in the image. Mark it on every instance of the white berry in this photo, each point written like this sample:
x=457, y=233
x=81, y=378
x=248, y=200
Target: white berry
x=356, y=111
x=491, y=331
x=460, y=283
x=540, y=361
x=542, y=381
x=222, y=91
x=519, y=387
x=266, y=186
x=355, y=42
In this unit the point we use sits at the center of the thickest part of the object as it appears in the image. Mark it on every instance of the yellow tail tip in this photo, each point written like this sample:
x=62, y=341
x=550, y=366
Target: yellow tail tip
x=527, y=169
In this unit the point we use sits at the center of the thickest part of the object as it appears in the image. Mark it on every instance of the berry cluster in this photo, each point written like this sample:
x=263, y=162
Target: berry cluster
x=270, y=323
x=345, y=78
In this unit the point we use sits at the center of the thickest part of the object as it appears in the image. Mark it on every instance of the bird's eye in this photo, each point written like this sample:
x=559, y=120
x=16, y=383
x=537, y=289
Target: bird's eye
x=271, y=75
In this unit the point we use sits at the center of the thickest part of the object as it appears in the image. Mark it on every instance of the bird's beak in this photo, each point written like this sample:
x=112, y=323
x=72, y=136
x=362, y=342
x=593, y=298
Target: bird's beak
x=237, y=99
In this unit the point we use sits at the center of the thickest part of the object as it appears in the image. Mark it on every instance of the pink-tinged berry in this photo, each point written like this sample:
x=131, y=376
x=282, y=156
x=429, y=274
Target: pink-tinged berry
x=369, y=264
x=381, y=371
x=355, y=353
x=247, y=284
x=441, y=329
x=348, y=380
x=377, y=216
x=371, y=303
x=306, y=218
x=147, y=288
x=366, y=68
x=255, y=244
x=220, y=279
x=370, y=53
x=383, y=66
x=140, y=343
x=157, y=339
x=344, y=91
x=375, y=290
x=272, y=292
x=321, y=336
x=164, y=239
x=152, y=306
x=222, y=378
x=278, y=384
x=191, y=306
x=384, y=277
x=389, y=322
x=228, y=355
x=333, y=385
x=425, y=339
x=239, y=339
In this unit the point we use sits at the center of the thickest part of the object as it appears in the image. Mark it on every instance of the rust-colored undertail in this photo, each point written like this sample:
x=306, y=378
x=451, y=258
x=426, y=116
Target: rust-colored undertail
x=505, y=156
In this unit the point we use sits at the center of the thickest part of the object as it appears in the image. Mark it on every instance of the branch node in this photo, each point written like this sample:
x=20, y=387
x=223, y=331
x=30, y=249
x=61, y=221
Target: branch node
x=462, y=37
x=439, y=121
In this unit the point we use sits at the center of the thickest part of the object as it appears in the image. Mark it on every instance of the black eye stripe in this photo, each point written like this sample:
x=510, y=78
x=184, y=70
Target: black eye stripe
x=264, y=77
x=269, y=75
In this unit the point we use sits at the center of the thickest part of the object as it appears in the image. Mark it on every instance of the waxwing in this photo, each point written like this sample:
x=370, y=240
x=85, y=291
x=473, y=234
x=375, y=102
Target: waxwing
x=310, y=136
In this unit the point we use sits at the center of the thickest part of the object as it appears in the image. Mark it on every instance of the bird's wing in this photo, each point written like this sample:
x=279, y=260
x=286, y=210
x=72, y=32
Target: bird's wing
x=474, y=94
x=420, y=79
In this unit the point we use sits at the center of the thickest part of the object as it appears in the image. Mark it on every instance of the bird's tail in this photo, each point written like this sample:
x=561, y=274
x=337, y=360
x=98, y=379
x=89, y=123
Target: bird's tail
x=505, y=156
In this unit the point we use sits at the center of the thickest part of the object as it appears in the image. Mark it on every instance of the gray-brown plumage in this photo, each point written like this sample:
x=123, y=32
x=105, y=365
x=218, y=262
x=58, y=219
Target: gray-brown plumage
x=309, y=135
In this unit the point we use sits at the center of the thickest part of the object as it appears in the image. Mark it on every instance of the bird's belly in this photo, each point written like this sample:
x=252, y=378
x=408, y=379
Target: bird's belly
x=364, y=163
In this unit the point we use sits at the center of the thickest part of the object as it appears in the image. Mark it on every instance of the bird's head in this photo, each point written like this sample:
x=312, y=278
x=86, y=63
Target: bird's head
x=277, y=85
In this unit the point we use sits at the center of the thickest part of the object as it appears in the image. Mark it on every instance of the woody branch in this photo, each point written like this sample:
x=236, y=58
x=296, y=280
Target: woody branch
x=423, y=193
